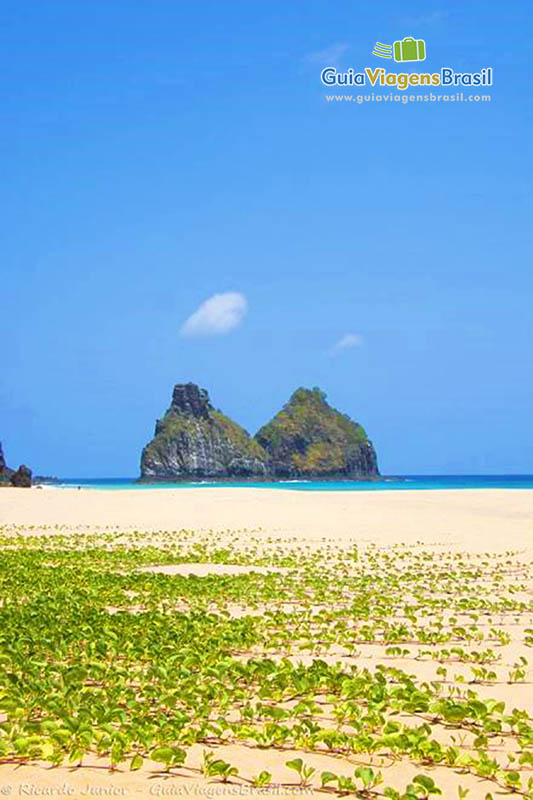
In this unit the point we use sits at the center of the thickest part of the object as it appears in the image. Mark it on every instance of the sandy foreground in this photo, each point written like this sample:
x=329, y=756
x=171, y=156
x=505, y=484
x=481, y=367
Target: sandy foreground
x=473, y=522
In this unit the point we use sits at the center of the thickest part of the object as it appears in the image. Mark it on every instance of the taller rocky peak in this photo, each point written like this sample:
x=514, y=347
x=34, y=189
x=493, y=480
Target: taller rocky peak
x=194, y=440
x=188, y=398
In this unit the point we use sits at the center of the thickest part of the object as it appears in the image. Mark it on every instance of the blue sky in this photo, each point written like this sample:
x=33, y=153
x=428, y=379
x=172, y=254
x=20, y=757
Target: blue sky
x=157, y=154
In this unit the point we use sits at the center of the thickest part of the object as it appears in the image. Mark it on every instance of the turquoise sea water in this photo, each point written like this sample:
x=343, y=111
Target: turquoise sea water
x=398, y=483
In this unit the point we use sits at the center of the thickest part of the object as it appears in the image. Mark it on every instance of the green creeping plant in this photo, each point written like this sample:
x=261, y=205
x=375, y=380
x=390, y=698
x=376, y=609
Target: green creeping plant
x=217, y=768
x=422, y=787
x=368, y=778
x=261, y=780
x=305, y=772
x=99, y=656
x=519, y=671
x=169, y=756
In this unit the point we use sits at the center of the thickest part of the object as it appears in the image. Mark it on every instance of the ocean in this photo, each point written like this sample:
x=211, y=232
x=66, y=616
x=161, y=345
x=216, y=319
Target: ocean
x=397, y=483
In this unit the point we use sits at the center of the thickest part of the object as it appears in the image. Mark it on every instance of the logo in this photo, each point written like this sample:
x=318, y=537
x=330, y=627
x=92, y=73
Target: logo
x=382, y=50
x=404, y=50
x=407, y=49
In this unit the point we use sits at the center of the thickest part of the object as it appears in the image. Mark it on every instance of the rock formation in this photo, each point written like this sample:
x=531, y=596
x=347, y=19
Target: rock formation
x=22, y=477
x=310, y=438
x=307, y=438
x=9, y=477
x=3, y=465
x=194, y=440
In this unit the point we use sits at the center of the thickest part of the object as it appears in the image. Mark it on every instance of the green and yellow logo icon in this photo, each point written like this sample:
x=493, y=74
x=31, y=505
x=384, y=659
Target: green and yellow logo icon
x=407, y=49
x=382, y=50
x=410, y=49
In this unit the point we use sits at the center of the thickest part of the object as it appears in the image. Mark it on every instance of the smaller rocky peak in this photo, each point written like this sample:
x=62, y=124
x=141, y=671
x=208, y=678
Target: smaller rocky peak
x=189, y=399
x=314, y=396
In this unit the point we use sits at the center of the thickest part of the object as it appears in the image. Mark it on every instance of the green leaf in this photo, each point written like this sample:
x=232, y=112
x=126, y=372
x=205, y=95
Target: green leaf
x=136, y=762
x=428, y=784
x=296, y=764
x=162, y=754
x=263, y=779
x=328, y=777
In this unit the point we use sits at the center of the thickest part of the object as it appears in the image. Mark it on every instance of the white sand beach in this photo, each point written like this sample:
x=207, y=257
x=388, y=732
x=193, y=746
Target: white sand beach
x=441, y=523
x=473, y=520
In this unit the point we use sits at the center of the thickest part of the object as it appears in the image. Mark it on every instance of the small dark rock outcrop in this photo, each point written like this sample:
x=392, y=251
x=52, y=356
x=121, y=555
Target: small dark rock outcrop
x=8, y=477
x=194, y=440
x=5, y=472
x=22, y=477
x=309, y=438
x=3, y=465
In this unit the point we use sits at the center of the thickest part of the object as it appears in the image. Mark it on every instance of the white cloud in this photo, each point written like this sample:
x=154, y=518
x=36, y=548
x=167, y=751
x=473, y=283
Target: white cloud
x=329, y=57
x=217, y=315
x=346, y=342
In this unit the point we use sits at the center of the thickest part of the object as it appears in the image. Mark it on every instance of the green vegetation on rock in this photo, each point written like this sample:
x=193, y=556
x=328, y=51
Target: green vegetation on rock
x=194, y=440
x=309, y=437
x=239, y=437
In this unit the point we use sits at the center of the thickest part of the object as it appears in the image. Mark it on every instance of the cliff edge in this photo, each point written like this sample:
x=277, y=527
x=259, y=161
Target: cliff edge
x=194, y=440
